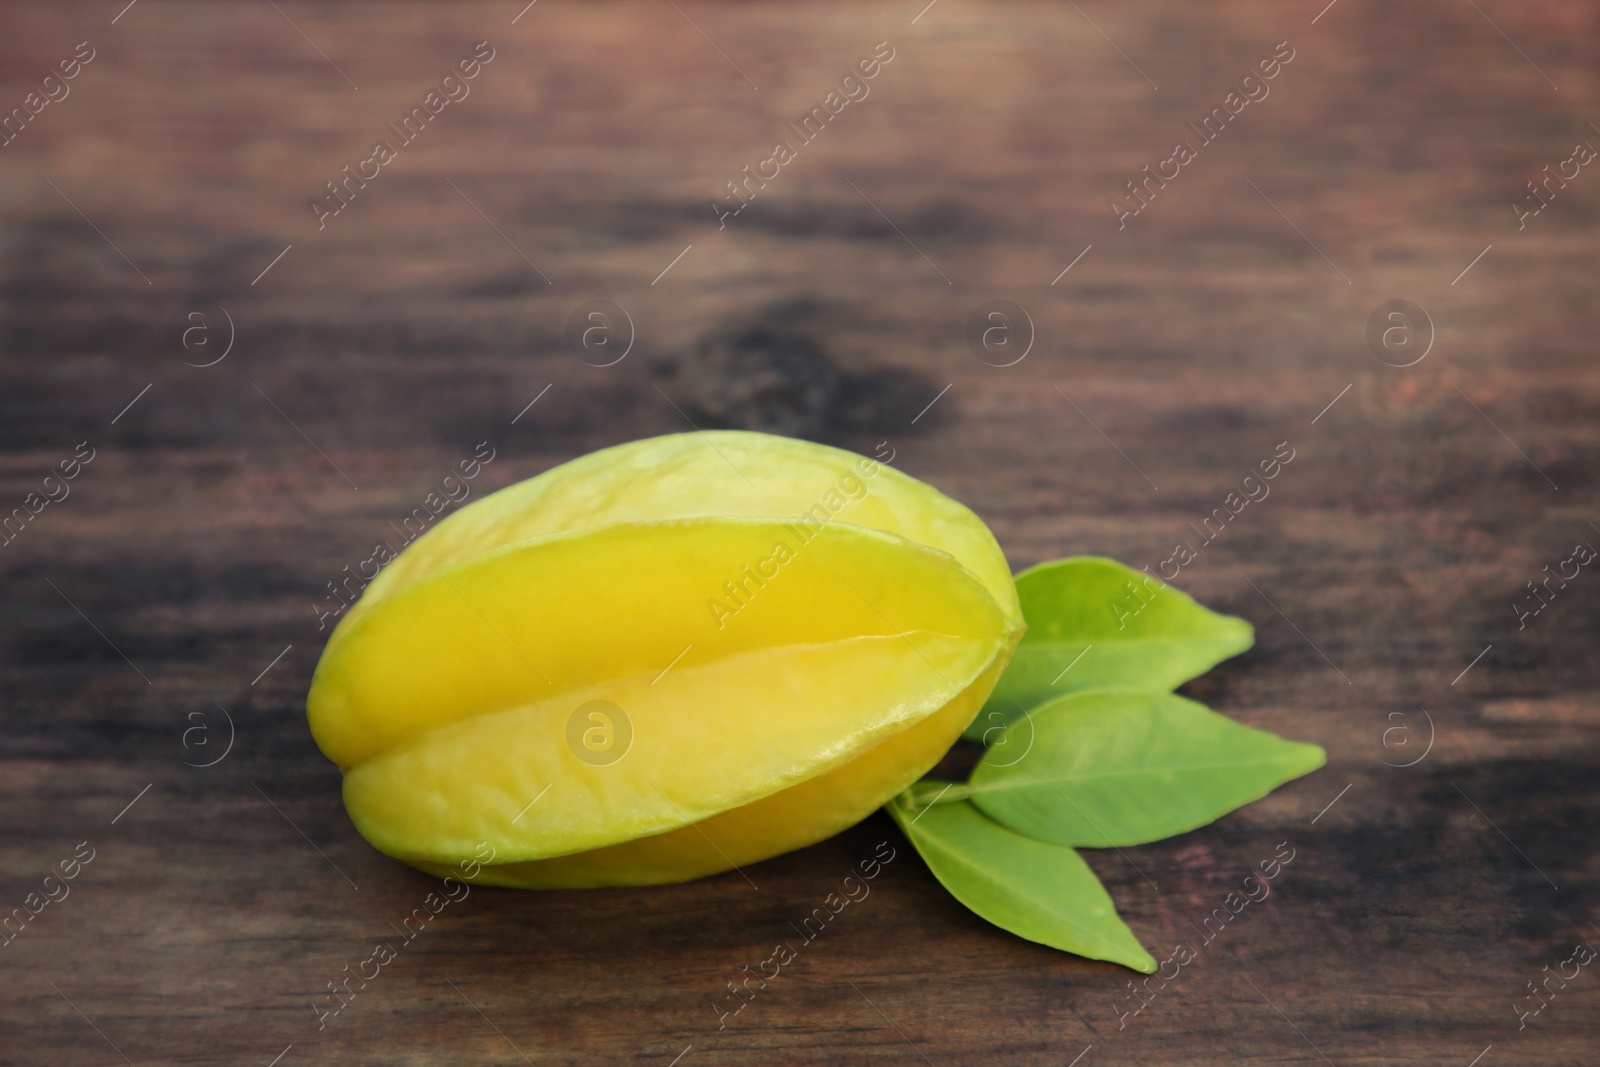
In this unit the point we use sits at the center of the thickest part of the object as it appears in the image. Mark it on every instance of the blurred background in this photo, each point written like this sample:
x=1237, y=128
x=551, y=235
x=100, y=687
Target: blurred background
x=255, y=365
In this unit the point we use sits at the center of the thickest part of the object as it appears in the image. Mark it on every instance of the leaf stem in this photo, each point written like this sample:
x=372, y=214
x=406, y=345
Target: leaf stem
x=925, y=794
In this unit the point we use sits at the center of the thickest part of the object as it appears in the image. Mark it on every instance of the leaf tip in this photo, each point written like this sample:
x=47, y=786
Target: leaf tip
x=1243, y=631
x=1313, y=757
x=1145, y=963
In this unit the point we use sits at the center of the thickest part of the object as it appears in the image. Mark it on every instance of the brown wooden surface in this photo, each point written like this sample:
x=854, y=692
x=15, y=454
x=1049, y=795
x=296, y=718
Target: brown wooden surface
x=1207, y=331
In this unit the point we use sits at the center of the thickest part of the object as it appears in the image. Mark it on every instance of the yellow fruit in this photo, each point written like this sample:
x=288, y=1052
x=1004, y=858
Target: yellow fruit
x=662, y=660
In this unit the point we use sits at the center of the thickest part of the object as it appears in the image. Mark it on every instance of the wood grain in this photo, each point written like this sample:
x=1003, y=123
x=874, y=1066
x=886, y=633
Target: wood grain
x=425, y=317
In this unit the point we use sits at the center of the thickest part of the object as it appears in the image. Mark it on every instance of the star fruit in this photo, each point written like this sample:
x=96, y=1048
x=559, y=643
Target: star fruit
x=662, y=660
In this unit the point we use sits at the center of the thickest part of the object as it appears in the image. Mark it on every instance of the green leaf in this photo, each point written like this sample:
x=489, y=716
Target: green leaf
x=1042, y=892
x=1116, y=767
x=1094, y=623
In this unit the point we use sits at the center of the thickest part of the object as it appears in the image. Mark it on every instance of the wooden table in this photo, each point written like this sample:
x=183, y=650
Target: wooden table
x=168, y=192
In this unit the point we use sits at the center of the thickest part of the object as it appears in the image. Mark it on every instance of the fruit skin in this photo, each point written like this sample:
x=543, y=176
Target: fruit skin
x=444, y=692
